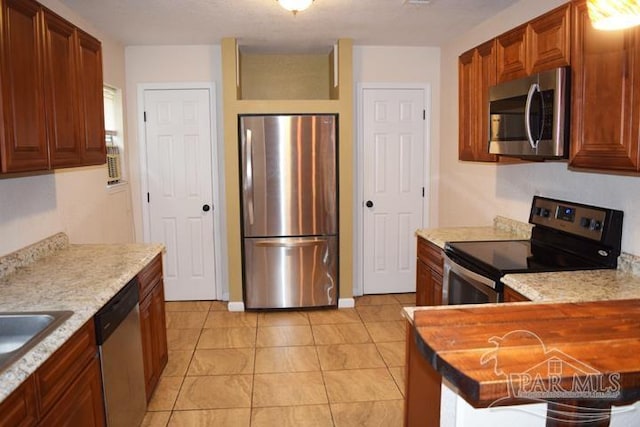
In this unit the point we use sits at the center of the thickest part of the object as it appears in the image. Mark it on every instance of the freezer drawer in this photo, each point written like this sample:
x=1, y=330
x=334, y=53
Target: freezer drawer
x=290, y=272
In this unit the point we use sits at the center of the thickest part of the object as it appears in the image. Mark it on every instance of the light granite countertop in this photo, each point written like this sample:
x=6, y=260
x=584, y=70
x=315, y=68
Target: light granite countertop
x=502, y=229
x=566, y=286
x=80, y=278
x=576, y=286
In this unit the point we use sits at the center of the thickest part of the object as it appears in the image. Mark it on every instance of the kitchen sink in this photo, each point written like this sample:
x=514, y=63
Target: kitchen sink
x=20, y=331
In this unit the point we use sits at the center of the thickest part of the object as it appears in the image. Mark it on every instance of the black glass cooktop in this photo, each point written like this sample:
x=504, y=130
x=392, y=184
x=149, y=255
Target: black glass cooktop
x=497, y=258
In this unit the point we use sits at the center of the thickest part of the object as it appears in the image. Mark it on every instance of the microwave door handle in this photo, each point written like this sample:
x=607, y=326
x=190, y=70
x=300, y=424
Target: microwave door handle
x=527, y=115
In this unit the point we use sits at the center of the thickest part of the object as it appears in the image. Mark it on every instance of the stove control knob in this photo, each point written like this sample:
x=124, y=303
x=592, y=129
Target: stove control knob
x=596, y=225
x=585, y=222
x=544, y=213
x=537, y=211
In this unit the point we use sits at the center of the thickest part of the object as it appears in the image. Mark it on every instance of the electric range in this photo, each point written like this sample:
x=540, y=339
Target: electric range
x=566, y=236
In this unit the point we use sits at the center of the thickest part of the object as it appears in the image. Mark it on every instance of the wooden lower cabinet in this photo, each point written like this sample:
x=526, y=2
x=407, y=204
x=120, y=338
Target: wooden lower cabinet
x=65, y=391
x=153, y=324
x=19, y=409
x=511, y=295
x=429, y=269
x=81, y=404
x=422, y=387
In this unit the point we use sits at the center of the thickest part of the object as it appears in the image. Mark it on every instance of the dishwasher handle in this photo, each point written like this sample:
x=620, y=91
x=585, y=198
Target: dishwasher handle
x=109, y=317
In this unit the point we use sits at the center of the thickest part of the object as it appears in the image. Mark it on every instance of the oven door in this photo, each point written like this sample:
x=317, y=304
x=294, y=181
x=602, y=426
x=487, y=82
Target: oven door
x=463, y=286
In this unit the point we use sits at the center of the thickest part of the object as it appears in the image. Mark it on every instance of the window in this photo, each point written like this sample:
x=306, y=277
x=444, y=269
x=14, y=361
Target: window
x=113, y=133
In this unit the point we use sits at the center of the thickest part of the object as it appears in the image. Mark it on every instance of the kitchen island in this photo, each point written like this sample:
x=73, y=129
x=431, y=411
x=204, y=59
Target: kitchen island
x=582, y=355
x=427, y=388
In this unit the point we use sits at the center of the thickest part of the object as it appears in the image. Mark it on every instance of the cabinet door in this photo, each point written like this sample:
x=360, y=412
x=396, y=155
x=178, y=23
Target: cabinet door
x=477, y=72
x=549, y=40
x=605, y=96
x=61, y=94
x=146, y=331
x=81, y=404
x=486, y=77
x=466, y=105
x=436, y=288
x=153, y=323
x=19, y=409
x=423, y=288
x=159, y=328
x=91, y=99
x=511, y=54
x=23, y=142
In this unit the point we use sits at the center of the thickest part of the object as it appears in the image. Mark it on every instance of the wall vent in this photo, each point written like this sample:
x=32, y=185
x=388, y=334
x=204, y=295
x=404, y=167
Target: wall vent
x=424, y=2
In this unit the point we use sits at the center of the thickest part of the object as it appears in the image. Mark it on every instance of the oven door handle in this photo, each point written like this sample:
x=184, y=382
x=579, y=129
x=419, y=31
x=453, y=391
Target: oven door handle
x=450, y=265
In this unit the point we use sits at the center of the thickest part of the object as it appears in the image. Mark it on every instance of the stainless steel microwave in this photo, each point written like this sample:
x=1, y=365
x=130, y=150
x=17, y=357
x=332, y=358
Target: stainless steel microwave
x=529, y=117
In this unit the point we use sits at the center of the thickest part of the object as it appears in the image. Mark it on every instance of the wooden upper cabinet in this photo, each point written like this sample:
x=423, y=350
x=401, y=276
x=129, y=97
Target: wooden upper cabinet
x=91, y=99
x=540, y=44
x=605, y=96
x=486, y=57
x=23, y=141
x=52, y=112
x=477, y=72
x=466, y=105
x=511, y=54
x=549, y=40
x=61, y=76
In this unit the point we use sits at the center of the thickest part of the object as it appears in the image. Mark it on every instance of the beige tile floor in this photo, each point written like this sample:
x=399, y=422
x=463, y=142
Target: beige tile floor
x=295, y=368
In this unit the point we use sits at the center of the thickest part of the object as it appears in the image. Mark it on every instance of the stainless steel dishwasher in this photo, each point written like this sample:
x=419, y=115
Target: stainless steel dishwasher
x=121, y=360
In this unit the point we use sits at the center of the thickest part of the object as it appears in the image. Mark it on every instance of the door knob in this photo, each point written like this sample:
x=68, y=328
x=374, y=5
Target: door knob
x=206, y=208
x=369, y=204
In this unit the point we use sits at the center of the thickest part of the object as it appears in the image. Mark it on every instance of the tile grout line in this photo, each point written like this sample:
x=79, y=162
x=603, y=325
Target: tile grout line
x=315, y=346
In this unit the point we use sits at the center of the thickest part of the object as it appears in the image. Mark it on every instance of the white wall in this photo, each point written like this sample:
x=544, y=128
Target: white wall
x=165, y=64
x=76, y=200
x=397, y=64
x=174, y=64
x=473, y=193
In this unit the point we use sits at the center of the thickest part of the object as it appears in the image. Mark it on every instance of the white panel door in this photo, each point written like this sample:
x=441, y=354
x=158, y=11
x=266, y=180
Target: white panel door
x=179, y=167
x=393, y=136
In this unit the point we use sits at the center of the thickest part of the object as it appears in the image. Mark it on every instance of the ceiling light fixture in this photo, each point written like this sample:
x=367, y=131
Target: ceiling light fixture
x=295, y=6
x=612, y=15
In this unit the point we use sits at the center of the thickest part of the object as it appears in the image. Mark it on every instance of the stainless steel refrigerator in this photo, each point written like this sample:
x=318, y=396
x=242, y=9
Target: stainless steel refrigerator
x=289, y=210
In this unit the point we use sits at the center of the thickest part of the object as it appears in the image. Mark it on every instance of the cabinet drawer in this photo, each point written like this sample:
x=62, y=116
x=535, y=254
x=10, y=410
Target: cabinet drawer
x=63, y=367
x=149, y=276
x=431, y=255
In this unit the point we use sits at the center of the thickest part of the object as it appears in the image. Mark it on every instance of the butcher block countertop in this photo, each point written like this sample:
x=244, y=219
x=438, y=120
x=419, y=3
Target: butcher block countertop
x=491, y=352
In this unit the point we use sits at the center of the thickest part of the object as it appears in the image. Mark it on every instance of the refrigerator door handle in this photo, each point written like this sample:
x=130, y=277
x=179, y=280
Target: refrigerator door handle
x=249, y=175
x=290, y=244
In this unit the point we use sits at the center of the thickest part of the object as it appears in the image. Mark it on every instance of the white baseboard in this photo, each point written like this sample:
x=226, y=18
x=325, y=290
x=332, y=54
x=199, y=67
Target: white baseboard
x=346, y=303
x=236, y=306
